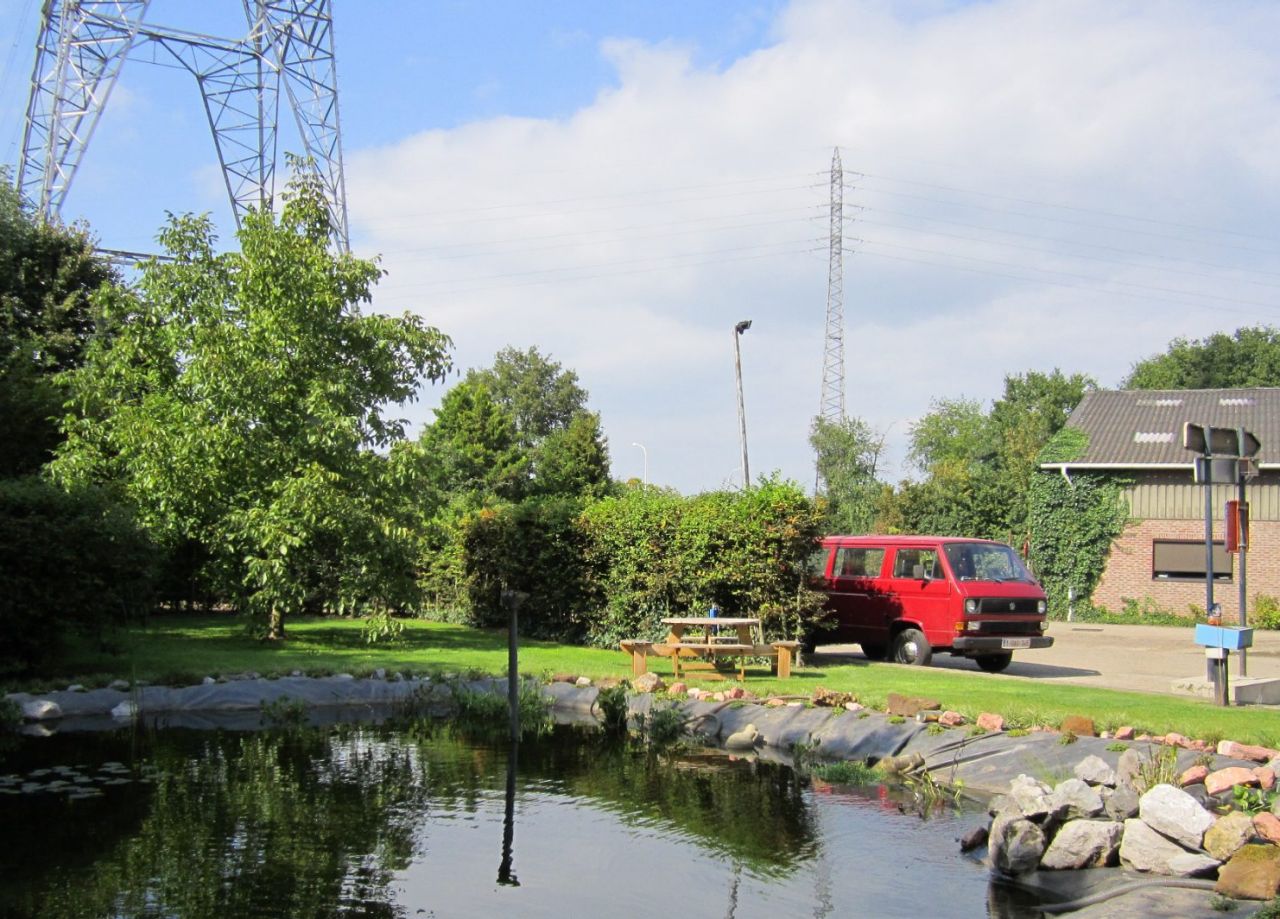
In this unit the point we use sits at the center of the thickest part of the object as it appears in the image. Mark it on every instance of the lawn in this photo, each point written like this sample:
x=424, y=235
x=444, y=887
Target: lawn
x=184, y=649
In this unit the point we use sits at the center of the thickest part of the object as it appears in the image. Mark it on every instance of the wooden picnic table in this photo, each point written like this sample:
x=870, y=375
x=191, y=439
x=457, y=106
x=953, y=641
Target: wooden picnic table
x=710, y=638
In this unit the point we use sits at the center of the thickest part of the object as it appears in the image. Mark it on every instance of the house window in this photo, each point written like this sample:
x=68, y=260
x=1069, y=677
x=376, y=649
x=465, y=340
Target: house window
x=1184, y=561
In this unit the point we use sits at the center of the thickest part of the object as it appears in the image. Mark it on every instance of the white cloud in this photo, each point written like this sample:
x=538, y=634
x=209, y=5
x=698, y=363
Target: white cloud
x=627, y=239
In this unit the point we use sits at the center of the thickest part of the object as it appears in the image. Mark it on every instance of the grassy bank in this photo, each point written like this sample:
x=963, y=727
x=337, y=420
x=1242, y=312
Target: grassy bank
x=179, y=650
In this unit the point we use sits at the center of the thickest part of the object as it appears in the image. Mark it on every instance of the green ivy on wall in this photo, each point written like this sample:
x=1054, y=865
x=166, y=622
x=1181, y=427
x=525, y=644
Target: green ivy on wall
x=1073, y=523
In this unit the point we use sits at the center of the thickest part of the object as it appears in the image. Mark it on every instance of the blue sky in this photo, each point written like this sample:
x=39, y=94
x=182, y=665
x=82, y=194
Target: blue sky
x=1029, y=185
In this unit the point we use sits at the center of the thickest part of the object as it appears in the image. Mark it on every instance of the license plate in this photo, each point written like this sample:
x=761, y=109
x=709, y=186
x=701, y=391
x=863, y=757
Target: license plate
x=1010, y=643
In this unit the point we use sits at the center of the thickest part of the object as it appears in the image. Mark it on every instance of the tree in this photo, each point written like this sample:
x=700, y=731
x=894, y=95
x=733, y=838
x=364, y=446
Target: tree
x=848, y=454
x=47, y=275
x=472, y=448
x=1249, y=357
x=539, y=393
x=574, y=461
x=240, y=401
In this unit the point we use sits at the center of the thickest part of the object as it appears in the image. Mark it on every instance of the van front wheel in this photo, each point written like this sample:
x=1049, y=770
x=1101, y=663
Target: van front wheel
x=993, y=663
x=911, y=647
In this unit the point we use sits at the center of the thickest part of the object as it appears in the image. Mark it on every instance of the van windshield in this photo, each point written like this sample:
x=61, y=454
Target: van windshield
x=979, y=561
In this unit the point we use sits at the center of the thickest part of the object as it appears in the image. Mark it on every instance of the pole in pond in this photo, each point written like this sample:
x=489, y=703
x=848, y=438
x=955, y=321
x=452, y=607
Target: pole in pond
x=506, y=876
x=513, y=600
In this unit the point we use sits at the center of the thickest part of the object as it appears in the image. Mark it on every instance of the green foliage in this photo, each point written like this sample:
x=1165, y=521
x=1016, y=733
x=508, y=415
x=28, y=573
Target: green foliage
x=1073, y=523
x=846, y=772
x=1222, y=904
x=536, y=391
x=490, y=712
x=653, y=554
x=69, y=562
x=1066, y=739
x=897, y=719
x=1253, y=800
x=612, y=702
x=847, y=453
x=1117, y=746
x=1266, y=612
x=239, y=404
x=1159, y=767
x=1249, y=357
x=284, y=713
x=664, y=728
x=10, y=713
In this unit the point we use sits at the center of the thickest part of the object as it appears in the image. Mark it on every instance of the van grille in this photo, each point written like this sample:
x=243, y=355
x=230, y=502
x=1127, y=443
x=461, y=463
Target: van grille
x=998, y=627
x=1023, y=606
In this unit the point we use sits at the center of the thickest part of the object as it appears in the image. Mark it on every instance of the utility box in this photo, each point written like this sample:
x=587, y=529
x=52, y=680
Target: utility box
x=1222, y=636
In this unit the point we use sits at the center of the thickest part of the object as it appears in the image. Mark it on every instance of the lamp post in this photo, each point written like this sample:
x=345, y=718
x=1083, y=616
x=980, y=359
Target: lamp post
x=742, y=410
x=646, y=462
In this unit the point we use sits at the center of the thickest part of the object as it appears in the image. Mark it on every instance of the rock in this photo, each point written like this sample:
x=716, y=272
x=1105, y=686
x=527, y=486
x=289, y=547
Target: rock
x=1266, y=777
x=737, y=692
x=1174, y=739
x=775, y=702
x=1095, y=771
x=991, y=722
x=76, y=687
x=1124, y=733
x=1193, y=776
x=209, y=681
x=1252, y=874
x=976, y=837
x=907, y=706
x=582, y=682
x=1228, y=835
x=1015, y=845
x=904, y=763
x=337, y=676
x=1215, y=783
x=827, y=698
x=1129, y=768
x=951, y=719
x=1084, y=844
x=718, y=696
x=1146, y=850
x=853, y=706
x=1176, y=814
x=563, y=677
x=1078, y=725
x=608, y=682
x=41, y=710
x=1267, y=825
x=126, y=709
x=1077, y=799
x=1121, y=803
x=119, y=685
x=744, y=739
x=680, y=688
x=380, y=673
x=1245, y=751
x=1035, y=801
x=647, y=682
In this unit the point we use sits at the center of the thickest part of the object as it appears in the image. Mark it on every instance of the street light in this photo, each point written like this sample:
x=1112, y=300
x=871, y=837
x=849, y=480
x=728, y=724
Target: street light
x=742, y=409
x=646, y=462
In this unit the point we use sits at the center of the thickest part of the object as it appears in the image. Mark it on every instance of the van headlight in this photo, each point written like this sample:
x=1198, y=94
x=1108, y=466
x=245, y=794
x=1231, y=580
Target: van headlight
x=971, y=606
x=1042, y=607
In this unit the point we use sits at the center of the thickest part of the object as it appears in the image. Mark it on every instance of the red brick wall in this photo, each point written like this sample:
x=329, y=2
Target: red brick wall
x=1128, y=571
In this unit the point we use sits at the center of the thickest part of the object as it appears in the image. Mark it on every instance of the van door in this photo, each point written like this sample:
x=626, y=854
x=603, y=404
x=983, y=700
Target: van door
x=857, y=595
x=919, y=591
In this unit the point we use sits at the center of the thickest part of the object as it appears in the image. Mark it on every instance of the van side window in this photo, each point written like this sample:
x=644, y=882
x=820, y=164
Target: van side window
x=859, y=563
x=904, y=564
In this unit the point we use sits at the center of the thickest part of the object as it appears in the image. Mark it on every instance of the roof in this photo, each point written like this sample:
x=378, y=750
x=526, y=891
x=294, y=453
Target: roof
x=1143, y=428
x=900, y=539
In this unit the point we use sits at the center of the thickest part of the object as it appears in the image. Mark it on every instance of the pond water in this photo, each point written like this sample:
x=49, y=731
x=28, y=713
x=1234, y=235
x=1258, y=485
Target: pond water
x=419, y=820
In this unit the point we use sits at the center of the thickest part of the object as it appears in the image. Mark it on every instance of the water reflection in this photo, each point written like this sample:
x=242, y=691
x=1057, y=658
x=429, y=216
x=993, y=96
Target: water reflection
x=374, y=821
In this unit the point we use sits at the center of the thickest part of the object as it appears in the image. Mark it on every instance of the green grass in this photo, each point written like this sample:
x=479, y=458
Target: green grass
x=180, y=649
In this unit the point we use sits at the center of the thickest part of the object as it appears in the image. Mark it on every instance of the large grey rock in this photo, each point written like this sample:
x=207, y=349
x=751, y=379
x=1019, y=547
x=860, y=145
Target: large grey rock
x=1094, y=770
x=1015, y=845
x=1076, y=799
x=1084, y=844
x=1146, y=850
x=1121, y=803
x=1176, y=814
x=40, y=710
x=126, y=709
x=1035, y=800
x=1129, y=767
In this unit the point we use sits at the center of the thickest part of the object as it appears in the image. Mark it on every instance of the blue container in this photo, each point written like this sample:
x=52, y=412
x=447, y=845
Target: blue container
x=1221, y=636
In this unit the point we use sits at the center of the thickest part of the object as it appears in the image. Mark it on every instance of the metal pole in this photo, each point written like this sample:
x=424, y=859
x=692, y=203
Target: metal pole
x=1242, y=549
x=1214, y=673
x=646, y=462
x=742, y=409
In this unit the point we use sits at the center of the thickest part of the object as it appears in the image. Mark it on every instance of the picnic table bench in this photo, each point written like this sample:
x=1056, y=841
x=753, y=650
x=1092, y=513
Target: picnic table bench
x=697, y=643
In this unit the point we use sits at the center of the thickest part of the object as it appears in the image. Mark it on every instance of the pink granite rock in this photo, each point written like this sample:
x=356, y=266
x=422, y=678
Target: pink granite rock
x=1245, y=751
x=1266, y=777
x=1193, y=776
x=1124, y=733
x=990, y=722
x=679, y=689
x=951, y=719
x=1216, y=783
x=1267, y=825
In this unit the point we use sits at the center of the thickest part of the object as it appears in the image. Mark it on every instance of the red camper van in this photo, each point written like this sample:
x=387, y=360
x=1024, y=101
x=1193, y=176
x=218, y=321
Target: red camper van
x=905, y=597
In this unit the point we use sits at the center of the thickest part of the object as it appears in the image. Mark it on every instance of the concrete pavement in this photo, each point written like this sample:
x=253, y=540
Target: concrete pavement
x=1145, y=658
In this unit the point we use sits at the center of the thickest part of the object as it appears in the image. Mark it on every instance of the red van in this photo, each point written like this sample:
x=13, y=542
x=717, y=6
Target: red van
x=905, y=597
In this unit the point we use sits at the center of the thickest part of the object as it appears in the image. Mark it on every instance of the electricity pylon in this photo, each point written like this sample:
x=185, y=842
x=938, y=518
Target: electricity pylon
x=832, y=404
x=83, y=45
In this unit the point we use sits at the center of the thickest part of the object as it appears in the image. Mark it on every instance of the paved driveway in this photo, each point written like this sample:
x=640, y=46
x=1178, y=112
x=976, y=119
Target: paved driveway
x=1147, y=658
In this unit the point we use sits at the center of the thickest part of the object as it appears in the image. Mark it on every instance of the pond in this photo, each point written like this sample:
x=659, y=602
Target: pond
x=420, y=820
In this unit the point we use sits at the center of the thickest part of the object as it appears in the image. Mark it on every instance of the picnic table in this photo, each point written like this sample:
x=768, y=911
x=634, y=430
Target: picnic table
x=697, y=643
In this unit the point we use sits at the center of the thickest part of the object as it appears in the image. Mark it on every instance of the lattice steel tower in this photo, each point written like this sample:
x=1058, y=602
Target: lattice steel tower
x=832, y=407
x=83, y=45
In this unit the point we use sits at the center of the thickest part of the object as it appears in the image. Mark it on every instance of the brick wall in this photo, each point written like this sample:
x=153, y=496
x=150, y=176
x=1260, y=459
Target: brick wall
x=1128, y=571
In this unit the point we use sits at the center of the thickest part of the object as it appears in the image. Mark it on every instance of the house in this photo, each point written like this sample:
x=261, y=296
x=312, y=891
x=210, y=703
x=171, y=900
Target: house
x=1161, y=553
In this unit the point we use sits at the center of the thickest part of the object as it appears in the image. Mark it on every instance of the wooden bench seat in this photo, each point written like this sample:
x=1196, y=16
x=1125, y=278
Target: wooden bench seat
x=783, y=653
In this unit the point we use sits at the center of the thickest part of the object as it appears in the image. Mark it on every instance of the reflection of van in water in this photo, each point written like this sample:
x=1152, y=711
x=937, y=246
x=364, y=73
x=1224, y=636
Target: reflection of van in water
x=905, y=597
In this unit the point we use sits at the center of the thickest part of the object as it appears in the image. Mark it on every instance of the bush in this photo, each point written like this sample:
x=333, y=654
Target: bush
x=1266, y=612
x=69, y=562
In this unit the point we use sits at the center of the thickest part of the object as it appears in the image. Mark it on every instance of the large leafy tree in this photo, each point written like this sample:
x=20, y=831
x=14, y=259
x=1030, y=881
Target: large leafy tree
x=541, y=395
x=47, y=274
x=240, y=402
x=848, y=456
x=1248, y=357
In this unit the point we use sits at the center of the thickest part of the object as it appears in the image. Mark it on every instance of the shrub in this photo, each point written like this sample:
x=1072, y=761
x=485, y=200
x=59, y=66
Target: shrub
x=69, y=562
x=1266, y=612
